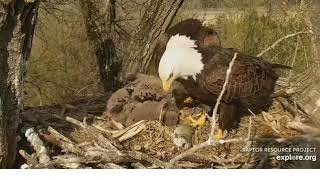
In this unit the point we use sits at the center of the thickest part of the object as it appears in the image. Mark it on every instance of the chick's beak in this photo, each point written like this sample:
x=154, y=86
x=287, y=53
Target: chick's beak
x=166, y=85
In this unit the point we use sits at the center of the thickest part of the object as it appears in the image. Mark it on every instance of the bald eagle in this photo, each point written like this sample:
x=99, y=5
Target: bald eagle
x=202, y=72
x=193, y=28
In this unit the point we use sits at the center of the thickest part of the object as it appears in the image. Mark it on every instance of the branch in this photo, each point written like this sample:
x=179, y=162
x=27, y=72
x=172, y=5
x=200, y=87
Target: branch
x=37, y=144
x=215, y=110
x=58, y=135
x=283, y=38
x=210, y=141
x=67, y=146
x=30, y=159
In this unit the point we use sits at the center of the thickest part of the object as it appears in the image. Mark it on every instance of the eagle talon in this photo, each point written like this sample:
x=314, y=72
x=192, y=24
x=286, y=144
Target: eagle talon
x=202, y=75
x=199, y=122
x=219, y=135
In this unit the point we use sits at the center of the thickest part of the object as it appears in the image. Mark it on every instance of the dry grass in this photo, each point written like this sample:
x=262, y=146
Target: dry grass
x=156, y=140
x=63, y=66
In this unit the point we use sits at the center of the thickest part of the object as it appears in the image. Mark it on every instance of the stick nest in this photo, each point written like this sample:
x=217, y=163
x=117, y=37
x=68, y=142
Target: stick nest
x=75, y=136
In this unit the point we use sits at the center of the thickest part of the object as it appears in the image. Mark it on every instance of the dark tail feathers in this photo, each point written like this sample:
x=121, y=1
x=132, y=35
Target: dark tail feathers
x=280, y=66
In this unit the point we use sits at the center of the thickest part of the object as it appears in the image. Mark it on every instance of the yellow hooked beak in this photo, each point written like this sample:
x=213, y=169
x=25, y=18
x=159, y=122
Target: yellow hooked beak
x=166, y=85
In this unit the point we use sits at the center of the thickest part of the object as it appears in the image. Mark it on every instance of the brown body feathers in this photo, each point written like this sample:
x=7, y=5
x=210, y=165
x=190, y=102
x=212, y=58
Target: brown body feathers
x=251, y=83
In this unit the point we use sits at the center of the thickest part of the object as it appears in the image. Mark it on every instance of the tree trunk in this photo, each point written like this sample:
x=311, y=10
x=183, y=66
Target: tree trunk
x=99, y=17
x=156, y=19
x=17, y=22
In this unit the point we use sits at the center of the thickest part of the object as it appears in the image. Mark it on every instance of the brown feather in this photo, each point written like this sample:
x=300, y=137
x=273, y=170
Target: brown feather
x=229, y=116
x=251, y=83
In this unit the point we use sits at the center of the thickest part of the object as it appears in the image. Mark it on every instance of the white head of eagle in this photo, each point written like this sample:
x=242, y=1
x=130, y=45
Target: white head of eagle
x=180, y=60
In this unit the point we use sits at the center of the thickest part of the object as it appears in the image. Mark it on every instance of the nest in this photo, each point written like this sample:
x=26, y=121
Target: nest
x=136, y=131
x=75, y=136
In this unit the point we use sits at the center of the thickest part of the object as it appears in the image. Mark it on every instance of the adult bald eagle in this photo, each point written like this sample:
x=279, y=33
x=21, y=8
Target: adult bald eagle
x=202, y=71
x=193, y=28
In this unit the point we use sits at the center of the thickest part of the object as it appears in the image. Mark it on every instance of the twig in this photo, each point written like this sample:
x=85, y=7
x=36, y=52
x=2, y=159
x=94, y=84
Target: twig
x=187, y=153
x=30, y=159
x=103, y=151
x=138, y=165
x=287, y=106
x=265, y=121
x=283, y=38
x=249, y=143
x=68, y=161
x=74, y=121
x=215, y=110
x=294, y=56
x=145, y=157
x=303, y=127
x=37, y=144
x=66, y=146
x=132, y=132
x=58, y=135
x=120, y=133
x=204, y=159
x=118, y=125
x=110, y=166
x=112, y=143
x=249, y=128
x=96, y=153
x=104, y=130
x=161, y=111
x=210, y=141
x=104, y=142
x=268, y=119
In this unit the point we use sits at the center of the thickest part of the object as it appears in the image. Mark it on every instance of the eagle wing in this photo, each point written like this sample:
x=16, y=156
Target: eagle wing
x=251, y=80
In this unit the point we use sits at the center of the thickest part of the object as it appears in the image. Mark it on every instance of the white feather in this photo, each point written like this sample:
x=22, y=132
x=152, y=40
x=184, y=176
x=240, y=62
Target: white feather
x=178, y=41
x=180, y=59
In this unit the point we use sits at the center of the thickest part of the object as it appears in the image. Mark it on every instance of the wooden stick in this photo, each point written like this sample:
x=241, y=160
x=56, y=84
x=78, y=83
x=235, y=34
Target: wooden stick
x=249, y=128
x=281, y=39
x=215, y=110
x=145, y=157
x=187, y=153
x=58, y=135
x=132, y=132
x=110, y=166
x=210, y=141
x=67, y=145
x=302, y=127
x=37, y=144
x=30, y=159
x=95, y=132
x=119, y=133
x=74, y=121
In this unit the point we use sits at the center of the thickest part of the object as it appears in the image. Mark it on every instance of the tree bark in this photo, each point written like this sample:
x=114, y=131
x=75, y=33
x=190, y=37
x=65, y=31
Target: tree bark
x=156, y=19
x=17, y=22
x=99, y=16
